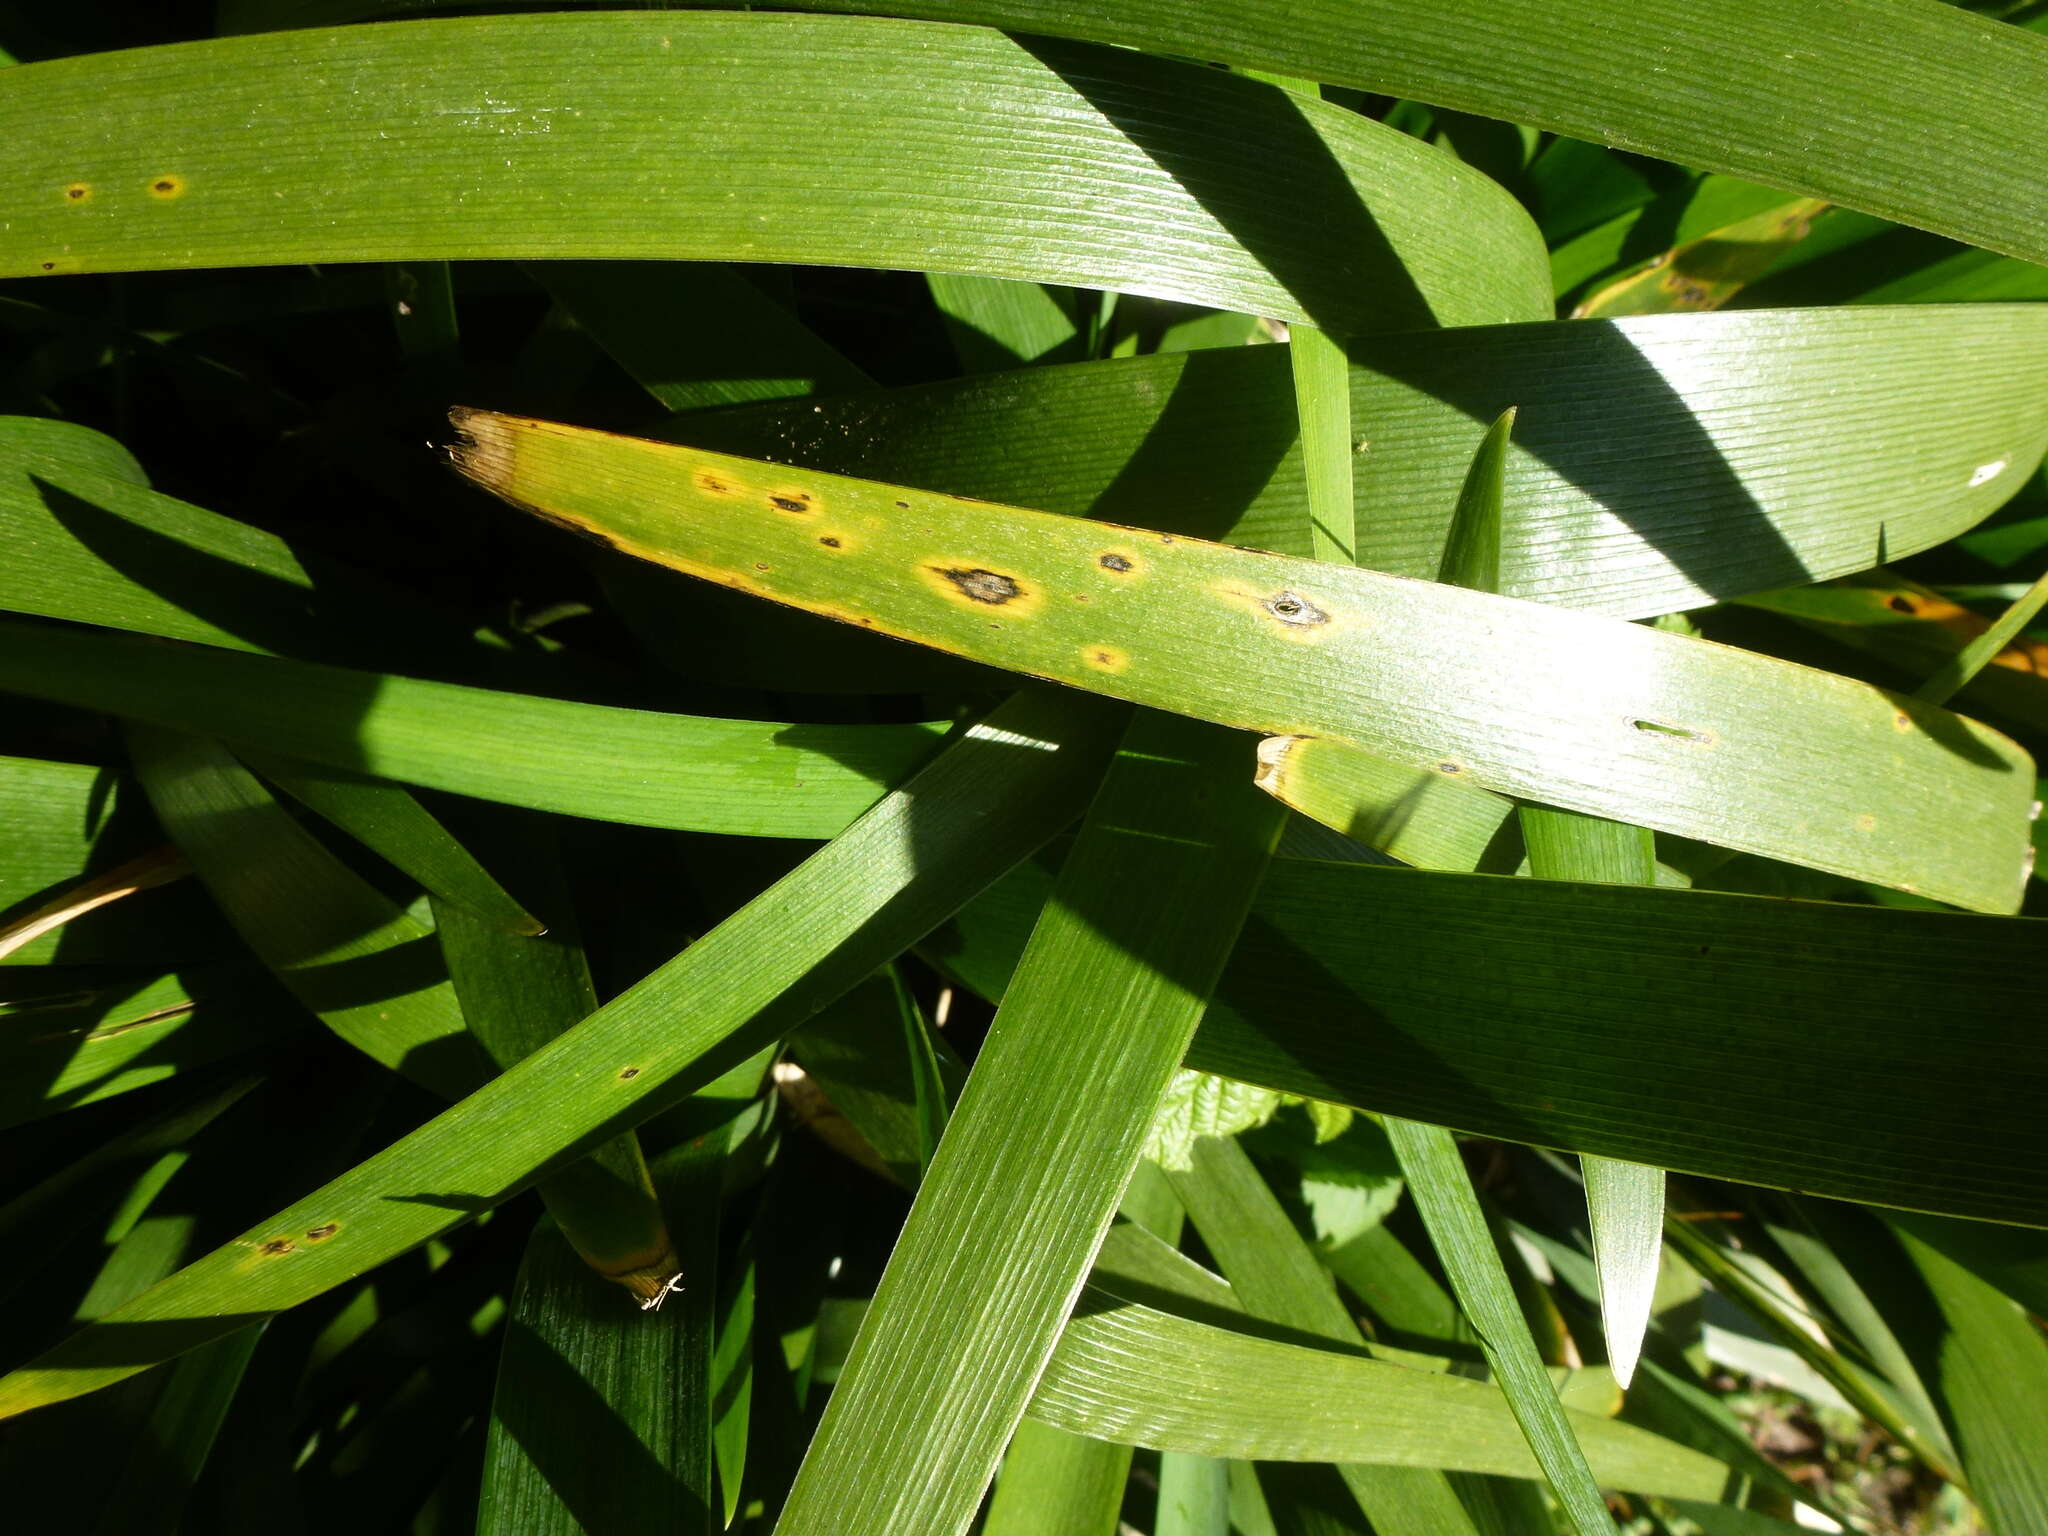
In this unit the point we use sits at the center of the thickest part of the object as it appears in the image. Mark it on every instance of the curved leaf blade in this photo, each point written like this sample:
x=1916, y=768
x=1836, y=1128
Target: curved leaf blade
x=950, y=149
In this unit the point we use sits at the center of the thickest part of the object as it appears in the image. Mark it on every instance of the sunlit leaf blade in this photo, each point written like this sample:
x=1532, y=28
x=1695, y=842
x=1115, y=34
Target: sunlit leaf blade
x=216, y=154
x=1194, y=1496
x=1972, y=658
x=899, y=871
x=1625, y=1205
x=1659, y=464
x=1322, y=395
x=1624, y=1201
x=996, y=324
x=1733, y=89
x=1106, y=996
x=1275, y=1276
x=751, y=777
x=1430, y=820
x=1918, y=632
x=1707, y=271
x=1457, y=1228
x=1590, y=714
x=1990, y=1368
x=1145, y=1377
x=1056, y=1483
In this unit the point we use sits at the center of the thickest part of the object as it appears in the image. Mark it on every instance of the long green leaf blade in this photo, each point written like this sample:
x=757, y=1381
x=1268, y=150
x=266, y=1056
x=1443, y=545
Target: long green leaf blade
x=642, y=767
x=1590, y=714
x=217, y=154
x=1105, y=999
x=1450, y=1210
x=1780, y=93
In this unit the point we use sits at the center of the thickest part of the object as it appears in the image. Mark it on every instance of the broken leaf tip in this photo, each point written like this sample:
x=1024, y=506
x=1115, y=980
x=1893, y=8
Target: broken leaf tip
x=482, y=449
x=1273, y=760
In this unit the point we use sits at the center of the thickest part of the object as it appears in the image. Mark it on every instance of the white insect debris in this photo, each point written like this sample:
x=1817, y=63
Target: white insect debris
x=1989, y=471
x=673, y=1286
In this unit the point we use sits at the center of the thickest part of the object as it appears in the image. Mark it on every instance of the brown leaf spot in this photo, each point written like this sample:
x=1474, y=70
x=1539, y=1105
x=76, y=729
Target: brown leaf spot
x=320, y=1234
x=1293, y=609
x=277, y=1247
x=628, y=1074
x=1114, y=562
x=981, y=585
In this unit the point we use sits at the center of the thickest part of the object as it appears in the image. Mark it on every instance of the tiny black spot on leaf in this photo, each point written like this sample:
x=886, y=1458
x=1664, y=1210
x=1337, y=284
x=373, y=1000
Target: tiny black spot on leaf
x=904, y=505
x=829, y=542
x=788, y=504
x=322, y=1233
x=277, y=1246
x=1114, y=562
x=1901, y=604
x=629, y=1074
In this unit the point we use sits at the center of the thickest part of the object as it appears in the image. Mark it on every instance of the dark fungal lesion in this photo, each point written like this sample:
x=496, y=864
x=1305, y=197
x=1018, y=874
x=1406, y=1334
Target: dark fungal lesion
x=1114, y=562
x=1292, y=608
x=983, y=586
x=789, y=504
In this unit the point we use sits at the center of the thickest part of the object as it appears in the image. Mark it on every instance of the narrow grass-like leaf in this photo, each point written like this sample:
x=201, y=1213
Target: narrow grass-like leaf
x=1144, y=1377
x=392, y=824
x=1769, y=1298
x=750, y=777
x=1429, y=820
x=599, y=1423
x=996, y=324
x=1322, y=396
x=652, y=125
x=1450, y=1210
x=1587, y=713
x=519, y=992
x=1276, y=1278
x=1972, y=658
x=75, y=1045
x=1918, y=632
x=899, y=871
x=1194, y=1496
x=1108, y=992
x=1472, y=547
x=1625, y=1206
x=347, y=951
x=1732, y=91
x=146, y=871
x=1708, y=270
x=1847, y=1262
x=1659, y=464
x=1991, y=1369
x=1057, y=1483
